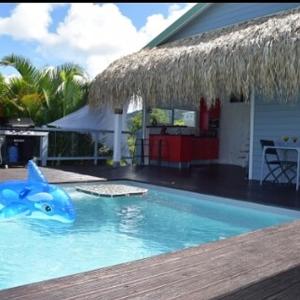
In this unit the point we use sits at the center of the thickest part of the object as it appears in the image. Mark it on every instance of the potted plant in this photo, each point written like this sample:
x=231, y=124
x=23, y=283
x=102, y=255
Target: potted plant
x=295, y=139
x=285, y=139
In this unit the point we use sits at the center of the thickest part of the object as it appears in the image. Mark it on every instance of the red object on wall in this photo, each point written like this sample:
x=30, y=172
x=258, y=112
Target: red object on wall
x=215, y=110
x=204, y=116
x=208, y=114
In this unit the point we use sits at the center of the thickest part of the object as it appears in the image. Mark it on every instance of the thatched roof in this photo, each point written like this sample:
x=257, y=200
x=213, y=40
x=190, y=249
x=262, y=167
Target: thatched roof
x=263, y=52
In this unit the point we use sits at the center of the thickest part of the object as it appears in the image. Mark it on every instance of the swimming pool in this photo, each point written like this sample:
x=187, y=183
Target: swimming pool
x=110, y=231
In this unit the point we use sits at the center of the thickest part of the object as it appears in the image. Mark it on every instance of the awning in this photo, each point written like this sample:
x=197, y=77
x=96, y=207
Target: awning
x=87, y=119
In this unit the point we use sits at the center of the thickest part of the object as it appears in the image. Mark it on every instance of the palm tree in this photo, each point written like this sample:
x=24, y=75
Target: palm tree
x=44, y=95
x=3, y=91
x=69, y=89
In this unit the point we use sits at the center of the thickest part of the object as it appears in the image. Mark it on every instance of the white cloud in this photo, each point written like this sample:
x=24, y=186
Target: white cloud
x=92, y=35
x=157, y=23
x=28, y=21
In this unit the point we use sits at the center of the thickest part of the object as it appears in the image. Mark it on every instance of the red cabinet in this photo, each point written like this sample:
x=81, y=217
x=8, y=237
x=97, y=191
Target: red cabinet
x=182, y=148
x=205, y=148
x=174, y=148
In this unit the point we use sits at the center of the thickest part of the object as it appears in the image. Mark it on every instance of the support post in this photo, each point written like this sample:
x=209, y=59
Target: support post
x=144, y=120
x=117, y=137
x=72, y=144
x=96, y=148
x=145, y=134
x=44, y=149
x=251, y=139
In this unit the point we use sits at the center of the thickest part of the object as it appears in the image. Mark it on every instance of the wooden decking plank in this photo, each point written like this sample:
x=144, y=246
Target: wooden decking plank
x=288, y=281
x=164, y=291
x=160, y=278
x=186, y=281
x=208, y=253
x=291, y=291
x=117, y=280
x=100, y=277
x=127, y=268
x=227, y=286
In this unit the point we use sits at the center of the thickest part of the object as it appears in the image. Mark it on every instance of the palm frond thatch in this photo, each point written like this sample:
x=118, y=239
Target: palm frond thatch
x=263, y=52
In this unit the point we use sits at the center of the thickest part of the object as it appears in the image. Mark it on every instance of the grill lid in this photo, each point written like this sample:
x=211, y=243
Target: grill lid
x=20, y=123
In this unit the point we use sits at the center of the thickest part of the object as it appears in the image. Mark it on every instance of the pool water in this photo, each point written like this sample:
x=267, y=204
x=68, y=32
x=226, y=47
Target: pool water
x=109, y=231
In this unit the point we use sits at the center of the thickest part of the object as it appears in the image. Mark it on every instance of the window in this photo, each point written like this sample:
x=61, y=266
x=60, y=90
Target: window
x=179, y=117
x=161, y=116
x=184, y=117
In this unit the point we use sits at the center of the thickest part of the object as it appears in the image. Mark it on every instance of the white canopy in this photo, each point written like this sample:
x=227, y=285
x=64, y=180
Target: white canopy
x=89, y=119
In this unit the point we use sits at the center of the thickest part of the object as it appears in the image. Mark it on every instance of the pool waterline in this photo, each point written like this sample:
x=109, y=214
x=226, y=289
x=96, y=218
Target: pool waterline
x=109, y=231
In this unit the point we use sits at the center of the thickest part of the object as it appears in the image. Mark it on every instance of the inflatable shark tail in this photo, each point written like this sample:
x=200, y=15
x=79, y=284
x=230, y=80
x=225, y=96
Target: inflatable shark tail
x=34, y=173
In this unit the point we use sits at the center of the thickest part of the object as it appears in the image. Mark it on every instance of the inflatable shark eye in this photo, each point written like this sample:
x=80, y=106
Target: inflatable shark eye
x=47, y=208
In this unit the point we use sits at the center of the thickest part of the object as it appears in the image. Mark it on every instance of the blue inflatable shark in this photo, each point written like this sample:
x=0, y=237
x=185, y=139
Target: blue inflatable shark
x=35, y=198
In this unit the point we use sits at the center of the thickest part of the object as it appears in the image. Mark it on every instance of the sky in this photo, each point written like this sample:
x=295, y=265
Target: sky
x=89, y=34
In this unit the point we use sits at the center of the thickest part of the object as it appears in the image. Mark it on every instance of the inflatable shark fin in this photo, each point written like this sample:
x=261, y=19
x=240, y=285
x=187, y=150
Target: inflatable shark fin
x=34, y=173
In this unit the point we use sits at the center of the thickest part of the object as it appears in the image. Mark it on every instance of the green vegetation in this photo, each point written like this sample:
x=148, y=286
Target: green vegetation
x=44, y=94
x=179, y=122
x=47, y=94
x=157, y=116
x=134, y=124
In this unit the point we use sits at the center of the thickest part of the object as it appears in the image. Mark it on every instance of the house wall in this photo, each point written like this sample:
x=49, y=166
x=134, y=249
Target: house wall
x=234, y=133
x=273, y=121
x=224, y=14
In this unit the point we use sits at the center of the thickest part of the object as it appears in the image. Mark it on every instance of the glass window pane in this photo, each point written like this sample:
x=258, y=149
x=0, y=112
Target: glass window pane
x=184, y=117
x=161, y=116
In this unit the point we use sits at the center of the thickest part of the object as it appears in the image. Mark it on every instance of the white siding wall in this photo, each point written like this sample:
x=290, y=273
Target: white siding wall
x=234, y=133
x=273, y=121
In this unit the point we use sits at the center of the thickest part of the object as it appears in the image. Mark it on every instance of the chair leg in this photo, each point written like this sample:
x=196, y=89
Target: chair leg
x=272, y=173
x=293, y=176
x=284, y=170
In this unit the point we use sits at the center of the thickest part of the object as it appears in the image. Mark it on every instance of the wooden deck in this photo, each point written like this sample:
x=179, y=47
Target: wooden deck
x=52, y=175
x=260, y=265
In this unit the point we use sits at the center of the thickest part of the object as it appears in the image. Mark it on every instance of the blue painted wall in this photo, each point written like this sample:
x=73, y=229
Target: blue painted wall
x=224, y=14
x=273, y=121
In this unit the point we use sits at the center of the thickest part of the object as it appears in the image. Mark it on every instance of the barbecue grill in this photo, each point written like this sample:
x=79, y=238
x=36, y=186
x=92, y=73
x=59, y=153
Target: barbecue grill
x=19, y=141
x=20, y=123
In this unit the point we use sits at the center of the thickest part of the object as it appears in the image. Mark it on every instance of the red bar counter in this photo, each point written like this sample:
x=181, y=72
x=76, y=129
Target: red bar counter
x=182, y=148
